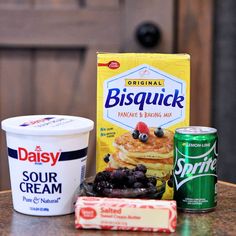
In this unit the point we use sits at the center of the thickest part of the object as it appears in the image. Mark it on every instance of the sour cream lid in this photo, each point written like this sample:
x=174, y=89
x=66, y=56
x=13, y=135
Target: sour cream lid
x=47, y=125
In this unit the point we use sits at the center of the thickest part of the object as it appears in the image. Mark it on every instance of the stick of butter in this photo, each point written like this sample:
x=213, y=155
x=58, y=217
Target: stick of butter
x=125, y=214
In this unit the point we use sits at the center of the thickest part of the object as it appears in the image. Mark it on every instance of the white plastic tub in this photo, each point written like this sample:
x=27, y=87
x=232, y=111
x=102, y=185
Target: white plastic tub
x=47, y=159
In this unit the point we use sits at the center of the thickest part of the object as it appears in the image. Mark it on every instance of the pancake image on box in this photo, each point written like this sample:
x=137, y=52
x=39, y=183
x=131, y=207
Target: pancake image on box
x=156, y=153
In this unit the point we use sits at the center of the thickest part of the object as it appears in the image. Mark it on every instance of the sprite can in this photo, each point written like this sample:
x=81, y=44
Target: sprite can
x=195, y=177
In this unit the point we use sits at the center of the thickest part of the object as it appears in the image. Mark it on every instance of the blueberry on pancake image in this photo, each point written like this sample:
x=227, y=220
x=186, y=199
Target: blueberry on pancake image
x=152, y=147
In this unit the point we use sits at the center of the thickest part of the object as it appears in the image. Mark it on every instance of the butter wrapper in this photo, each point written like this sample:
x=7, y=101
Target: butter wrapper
x=125, y=214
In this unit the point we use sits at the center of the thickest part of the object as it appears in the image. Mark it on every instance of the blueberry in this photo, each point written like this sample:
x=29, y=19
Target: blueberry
x=118, y=176
x=170, y=181
x=138, y=185
x=150, y=185
x=106, y=175
x=99, y=177
x=141, y=167
x=139, y=175
x=131, y=180
x=100, y=186
x=152, y=180
x=135, y=134
x=107, y=158
x=159, y=132
x=143, y=137
x=127, y=171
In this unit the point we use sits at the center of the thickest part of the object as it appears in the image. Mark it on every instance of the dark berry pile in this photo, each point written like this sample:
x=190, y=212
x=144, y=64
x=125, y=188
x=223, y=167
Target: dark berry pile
x=123, y=179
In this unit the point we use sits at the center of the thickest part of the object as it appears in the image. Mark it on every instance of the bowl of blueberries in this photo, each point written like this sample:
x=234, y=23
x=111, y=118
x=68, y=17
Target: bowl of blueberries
x=123, y=183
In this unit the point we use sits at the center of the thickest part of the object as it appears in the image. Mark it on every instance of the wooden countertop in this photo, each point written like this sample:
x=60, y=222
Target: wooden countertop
x=222, y=221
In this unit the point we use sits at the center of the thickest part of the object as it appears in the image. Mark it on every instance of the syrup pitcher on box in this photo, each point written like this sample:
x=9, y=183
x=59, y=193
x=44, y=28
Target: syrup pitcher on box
x=141, y=100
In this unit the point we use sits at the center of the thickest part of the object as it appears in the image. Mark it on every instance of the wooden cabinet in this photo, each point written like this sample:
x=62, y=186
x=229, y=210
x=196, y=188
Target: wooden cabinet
x=48, y=54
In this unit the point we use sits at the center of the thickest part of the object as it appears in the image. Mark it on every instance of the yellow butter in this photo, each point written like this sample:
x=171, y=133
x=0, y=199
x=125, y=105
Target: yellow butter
x=125, y=214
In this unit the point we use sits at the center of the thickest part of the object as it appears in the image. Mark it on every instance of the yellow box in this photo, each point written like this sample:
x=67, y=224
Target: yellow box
x=153, y=89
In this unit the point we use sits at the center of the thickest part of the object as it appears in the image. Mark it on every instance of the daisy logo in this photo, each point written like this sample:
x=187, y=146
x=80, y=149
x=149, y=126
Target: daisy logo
x=38, y=156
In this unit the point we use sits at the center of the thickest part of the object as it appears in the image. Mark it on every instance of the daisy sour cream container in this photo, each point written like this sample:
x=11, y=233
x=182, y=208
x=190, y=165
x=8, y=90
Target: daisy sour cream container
x=47, y=160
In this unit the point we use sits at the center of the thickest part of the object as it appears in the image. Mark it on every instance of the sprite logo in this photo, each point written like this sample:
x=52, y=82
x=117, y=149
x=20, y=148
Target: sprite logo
x=202, y=165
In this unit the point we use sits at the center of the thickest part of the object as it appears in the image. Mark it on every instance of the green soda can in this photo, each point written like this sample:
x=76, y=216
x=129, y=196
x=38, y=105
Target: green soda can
x=194, y=173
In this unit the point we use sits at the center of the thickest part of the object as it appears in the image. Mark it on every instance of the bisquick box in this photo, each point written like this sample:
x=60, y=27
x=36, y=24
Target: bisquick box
x=133, y=88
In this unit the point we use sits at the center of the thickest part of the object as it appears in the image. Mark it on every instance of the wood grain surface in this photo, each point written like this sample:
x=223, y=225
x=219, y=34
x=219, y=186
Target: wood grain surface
x=195, y=36
x=219, y=222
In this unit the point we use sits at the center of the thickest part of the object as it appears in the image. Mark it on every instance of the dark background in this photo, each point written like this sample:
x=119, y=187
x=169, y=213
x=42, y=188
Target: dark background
x=224, y=86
